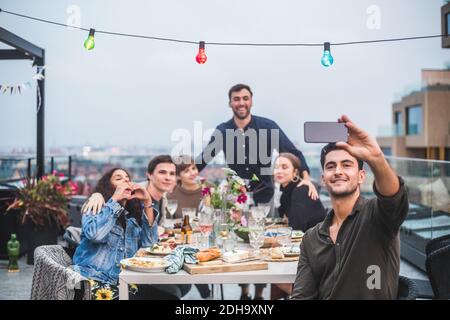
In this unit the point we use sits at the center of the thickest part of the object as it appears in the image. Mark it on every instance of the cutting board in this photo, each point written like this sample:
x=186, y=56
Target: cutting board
x=220, y=266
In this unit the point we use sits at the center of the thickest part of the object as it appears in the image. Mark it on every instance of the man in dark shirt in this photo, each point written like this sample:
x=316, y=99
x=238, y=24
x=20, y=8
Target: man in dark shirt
x=248, y=142
x=355, y=252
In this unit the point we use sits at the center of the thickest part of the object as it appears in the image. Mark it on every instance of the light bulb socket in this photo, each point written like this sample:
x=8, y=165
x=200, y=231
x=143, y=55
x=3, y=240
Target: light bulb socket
x=201, y=45
x=91, y=32
x=326, y=46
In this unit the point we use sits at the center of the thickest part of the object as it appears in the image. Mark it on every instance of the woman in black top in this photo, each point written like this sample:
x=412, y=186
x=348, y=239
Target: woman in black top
x=301, y=211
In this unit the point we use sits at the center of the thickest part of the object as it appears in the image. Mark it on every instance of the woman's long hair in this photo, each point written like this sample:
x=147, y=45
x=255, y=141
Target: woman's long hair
x=106, y=189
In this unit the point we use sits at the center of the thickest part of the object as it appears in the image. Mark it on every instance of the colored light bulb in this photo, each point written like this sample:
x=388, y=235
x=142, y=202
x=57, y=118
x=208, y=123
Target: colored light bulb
x=201, y=55
x=327, y=59
x=89, y=44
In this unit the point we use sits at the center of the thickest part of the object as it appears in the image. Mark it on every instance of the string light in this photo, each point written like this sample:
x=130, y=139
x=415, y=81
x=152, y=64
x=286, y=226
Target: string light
x=89, y=44
x=201, y=55
x=327, y=59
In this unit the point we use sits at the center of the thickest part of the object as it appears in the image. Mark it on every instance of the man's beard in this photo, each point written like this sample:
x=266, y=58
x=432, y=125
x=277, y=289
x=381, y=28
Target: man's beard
x=343, y=194
x=236, y=114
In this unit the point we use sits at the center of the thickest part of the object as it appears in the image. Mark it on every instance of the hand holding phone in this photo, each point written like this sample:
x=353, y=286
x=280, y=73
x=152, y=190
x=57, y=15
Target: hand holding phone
x=325, y=132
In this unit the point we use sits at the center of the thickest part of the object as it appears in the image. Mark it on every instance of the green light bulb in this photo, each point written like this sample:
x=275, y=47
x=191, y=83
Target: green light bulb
x=89, y=44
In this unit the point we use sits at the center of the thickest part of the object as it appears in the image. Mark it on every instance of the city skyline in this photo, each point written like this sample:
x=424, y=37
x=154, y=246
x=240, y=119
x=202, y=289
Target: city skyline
x=127, y=90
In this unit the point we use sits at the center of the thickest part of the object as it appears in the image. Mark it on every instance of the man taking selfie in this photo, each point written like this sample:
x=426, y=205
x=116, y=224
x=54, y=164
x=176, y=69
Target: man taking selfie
x=355, y=252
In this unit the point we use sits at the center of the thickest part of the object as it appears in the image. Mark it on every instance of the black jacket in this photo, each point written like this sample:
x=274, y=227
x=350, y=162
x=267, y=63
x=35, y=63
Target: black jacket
x=303, y=212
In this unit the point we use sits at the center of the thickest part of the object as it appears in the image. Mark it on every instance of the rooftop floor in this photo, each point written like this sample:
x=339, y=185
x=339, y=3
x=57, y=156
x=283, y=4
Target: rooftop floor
x=17, y=286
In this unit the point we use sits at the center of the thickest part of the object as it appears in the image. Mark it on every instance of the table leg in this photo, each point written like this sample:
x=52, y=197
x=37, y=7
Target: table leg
x=123, y=290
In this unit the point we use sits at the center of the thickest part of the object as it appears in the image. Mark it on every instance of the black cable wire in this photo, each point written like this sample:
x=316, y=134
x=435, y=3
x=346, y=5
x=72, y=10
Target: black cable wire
x=226, y=43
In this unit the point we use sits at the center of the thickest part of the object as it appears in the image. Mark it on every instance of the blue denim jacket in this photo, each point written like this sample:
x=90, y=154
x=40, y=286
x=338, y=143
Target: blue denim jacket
x=104, y=243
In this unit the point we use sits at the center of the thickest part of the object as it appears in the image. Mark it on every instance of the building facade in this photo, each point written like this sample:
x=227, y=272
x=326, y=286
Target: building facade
x=421, y=120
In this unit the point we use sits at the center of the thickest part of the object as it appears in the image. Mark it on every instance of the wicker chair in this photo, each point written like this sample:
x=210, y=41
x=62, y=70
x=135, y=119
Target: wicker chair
x=53, y=279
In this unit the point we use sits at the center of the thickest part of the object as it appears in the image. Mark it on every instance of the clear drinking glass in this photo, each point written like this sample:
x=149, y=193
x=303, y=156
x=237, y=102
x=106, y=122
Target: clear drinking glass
x=256, y=237
x=205, y=223
x=257, y=213
x=229, y=244
x=265, y=208
x=284, y=236
x=191, y=212
x=172, y=206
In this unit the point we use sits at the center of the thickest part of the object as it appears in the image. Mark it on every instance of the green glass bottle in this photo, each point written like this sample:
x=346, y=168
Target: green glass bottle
x=13, y=247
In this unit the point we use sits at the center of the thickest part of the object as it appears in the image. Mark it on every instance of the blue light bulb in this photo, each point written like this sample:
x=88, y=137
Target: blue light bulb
x=327, y=59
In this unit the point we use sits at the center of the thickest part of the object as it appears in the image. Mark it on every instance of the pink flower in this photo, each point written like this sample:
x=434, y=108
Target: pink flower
x=242, y=198
x=206, y=191
x=243, y=189
x=60, y=174
x=73, y=188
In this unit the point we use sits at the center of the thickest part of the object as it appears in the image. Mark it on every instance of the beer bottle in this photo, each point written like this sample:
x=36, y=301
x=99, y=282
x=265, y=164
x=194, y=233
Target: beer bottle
x=186, y=231
x=13, y=247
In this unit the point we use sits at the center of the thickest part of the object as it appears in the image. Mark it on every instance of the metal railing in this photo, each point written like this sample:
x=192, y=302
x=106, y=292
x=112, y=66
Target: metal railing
x=14, y=169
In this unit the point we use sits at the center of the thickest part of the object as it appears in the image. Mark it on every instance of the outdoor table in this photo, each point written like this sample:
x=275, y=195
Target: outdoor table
x=277, y=272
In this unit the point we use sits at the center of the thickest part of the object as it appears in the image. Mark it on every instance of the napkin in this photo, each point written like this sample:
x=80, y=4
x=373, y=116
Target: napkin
x=181, y=255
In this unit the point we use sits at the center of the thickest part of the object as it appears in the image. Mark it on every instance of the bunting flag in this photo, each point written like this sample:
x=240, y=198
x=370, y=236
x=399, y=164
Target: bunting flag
x=21, y=87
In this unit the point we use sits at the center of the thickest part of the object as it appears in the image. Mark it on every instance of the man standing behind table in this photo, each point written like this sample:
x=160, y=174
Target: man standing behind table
x=248, y=141
x=355, y=252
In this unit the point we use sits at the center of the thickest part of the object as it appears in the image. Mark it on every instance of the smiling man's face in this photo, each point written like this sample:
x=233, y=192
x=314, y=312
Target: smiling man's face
x=341, y=175
x=241, y=103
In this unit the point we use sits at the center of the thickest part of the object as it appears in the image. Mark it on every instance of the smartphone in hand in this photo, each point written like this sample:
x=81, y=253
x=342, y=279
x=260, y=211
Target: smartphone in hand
x=325, y=132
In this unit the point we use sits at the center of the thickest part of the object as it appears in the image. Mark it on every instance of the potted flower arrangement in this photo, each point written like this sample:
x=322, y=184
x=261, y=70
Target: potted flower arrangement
x=42, y=205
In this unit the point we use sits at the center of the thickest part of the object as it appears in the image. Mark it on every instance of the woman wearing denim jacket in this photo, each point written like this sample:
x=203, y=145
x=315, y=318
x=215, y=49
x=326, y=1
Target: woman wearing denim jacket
x=125, y=223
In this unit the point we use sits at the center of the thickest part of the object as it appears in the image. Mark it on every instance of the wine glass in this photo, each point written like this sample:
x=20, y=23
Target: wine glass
x=257, y=213
x=172, y=206
x=265, y=207
x=256, y=237
x=205, y=223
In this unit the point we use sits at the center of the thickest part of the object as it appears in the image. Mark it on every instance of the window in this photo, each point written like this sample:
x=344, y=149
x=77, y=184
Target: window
x=398, y=124
x=414, y=120
x=447, y=23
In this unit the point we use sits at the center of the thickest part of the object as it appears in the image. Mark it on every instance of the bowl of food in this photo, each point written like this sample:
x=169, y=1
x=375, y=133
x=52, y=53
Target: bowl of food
x=276, y=237
x=162, y=249
x=242, y=232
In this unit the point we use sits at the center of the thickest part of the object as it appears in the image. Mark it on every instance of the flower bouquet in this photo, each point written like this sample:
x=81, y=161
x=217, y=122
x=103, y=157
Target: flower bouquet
x=230, y=196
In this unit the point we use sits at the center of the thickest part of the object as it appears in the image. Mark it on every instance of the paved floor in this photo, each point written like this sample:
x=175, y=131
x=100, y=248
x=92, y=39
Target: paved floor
x=17, y=286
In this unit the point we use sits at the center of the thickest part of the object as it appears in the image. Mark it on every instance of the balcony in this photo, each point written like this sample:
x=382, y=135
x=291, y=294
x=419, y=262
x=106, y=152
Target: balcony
x=428, y=185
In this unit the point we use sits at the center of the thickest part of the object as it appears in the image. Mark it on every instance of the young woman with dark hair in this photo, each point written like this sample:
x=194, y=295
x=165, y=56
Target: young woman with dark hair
x=123, y=225
x=301, y=211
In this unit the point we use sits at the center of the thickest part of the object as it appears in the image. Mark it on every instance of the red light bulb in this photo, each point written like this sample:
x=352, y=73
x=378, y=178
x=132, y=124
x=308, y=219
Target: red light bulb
x=201, y=55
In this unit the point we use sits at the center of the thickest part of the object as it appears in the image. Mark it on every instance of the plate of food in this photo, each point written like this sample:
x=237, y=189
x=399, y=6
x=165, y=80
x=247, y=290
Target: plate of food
x=297, y=234
x=291, y=251
x=281, y=254
x=160, y=249
x=145, y=264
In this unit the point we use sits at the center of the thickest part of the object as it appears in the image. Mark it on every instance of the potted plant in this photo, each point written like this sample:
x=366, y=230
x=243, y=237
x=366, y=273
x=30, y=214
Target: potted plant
x=42, y=205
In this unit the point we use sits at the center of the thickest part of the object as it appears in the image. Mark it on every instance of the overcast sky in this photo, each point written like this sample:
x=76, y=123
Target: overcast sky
x=137, y=92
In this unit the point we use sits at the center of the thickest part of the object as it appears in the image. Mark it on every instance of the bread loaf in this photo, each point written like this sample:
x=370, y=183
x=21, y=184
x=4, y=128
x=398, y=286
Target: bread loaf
x=277, y=253
x=208, y=254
